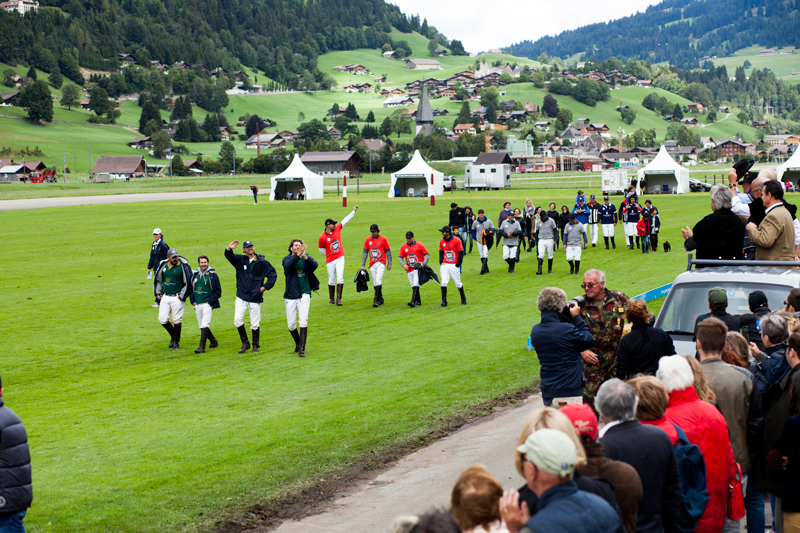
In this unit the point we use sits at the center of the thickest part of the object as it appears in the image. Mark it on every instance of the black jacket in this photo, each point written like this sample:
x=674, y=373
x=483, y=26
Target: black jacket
x=563, y=220
x=719, y=235
x=16, y=493
x=216, y=288
x=158, y=252
x=640, y=350
x=649, y=450
x=558, y=342
x=750, y=321
x=733, y=322
x=362, y=280
x=457, y=218
x=250, y=276
x=292, y=291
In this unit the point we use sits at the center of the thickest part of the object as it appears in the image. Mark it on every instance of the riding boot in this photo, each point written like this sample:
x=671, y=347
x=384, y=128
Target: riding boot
x=177, y=337
x=380, y=294
x=517, y=258
x=413, y=302
x=630, y=243
x=511, y=266
x=606, y=240
x=577, y=267
x=339, y=290
x=203, y=339
x=486, y=265
x=171, y=332
x=303, y=337
x=549, y=266
x=508, y=262
x=332, y=293
x=571, y=267
x=212, y=338
x=483, y=266
x=245, y=342
x=416, y=297
x=444, y=297
x=375, y=298
x=463, y=296
x=296, y=337
x=539, y=272
x=613, y=244
x=256, y=335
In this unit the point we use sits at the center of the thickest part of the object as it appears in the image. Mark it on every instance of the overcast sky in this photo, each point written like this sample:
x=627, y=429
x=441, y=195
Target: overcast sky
x=481, y=25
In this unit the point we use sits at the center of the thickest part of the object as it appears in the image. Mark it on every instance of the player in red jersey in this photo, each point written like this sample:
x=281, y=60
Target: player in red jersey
x=416, y=259
x=330, y=244
x=451, y=253
x=376, y=247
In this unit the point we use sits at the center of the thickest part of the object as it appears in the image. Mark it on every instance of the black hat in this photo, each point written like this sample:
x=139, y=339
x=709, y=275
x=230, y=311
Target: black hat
x=445, y=229
x=573, y=215
x=480, y=211
x=757, y=299
x=751, y=177
x=330, y=221
x=374, y=227
x=409, y=235
x=453, y=204
x=743, y=166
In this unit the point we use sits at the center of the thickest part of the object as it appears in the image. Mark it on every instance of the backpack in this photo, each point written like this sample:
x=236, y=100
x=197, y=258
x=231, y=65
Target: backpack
x=694, y=495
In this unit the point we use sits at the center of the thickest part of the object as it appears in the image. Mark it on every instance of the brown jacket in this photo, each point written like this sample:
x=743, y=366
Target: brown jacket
x=774, y=237
x=622, y=476
x=733, y=391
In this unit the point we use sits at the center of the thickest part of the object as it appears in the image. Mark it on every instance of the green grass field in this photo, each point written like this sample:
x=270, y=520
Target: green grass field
x=782, y=64
x=127, y=435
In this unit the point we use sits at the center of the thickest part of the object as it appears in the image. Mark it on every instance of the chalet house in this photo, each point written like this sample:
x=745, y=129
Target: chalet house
x=217, y=71
x=226, y=133
x=20, y=6
x=355, y=87
x=621, y=107
x=494, y=51
x=597, y=127
x=289, y=135
x=574, y=134
x=201, y=68
x=439, y=112
x=708, y=142
x=340, y=68
x=332, y=164
x=669, y=118
x=440, y=52
x=396, y=91
x=533, y=107
x=696, y=106
x=776, y=140
x=392, y=55
x=126, y=59
x=449, y=92
x=121, y=165
x=398, y=101
x=179, y=65
x=373, y=145
x=760, y=124
x=542, y=124
x=9, y=98
x=466, y=73
x=266, y=140
x=689, y=121
x=239, y=75
x=729, y=148
x=334, y=133
x=141, y=143
x=194, y=166
x=380, y=79
x=645, y=83
x=768, y=52
x=582, y=121
x=465, y=128
x=723, y=109
x=423, y=64
x=409, y=113
x=85, y=103
x=354, y=68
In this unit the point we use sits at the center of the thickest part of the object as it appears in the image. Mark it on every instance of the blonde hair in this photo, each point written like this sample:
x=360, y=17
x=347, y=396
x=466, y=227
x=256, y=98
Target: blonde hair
x=547, y=417
x=701, y=385
x=737, y=352
x=653, y=397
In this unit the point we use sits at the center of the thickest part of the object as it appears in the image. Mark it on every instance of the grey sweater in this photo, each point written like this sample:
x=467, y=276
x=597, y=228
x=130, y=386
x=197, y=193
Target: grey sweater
x=572, y=234
x=514, y=228
x=479, y=226
x=547, y=229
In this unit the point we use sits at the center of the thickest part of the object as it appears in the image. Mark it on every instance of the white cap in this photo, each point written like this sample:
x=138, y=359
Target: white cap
x=157, y=231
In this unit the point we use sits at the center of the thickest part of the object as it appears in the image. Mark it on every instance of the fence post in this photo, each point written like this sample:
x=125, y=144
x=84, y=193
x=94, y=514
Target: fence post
x=344, y=189
x=337, y=187
x=430, y=191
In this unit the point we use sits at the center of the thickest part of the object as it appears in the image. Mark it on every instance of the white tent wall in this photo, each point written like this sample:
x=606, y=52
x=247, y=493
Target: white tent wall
x=295, y=177
x=417, y=176
x=790, y=170
x=663, y=170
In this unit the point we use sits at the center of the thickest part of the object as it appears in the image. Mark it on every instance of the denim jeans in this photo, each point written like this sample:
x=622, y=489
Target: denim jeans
x=754, y=507
x=12, y=522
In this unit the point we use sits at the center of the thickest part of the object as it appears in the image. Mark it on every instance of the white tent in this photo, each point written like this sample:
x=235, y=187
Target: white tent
x=415, y=179
x=663, y=174
x=295, y=177
x=786, y=172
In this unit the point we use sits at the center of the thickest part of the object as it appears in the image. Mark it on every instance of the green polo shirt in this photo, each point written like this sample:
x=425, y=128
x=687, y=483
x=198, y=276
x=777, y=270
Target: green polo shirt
x=305, y=287
x=202, y=288
x=173, y=279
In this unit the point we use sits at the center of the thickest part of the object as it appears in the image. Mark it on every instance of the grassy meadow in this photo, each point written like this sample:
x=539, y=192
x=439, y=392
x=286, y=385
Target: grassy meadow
x=128, y=436
x=782, y=64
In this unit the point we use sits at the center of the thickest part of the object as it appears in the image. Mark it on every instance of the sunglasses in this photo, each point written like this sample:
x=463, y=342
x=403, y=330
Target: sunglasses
x=589, y=285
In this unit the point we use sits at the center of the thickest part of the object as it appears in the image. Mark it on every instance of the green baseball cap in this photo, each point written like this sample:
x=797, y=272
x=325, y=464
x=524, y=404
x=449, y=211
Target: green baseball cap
x=550, y=450
x=717, y=297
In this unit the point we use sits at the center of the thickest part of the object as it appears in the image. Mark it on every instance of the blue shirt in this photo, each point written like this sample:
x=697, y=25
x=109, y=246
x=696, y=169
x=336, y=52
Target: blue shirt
x=607, y=213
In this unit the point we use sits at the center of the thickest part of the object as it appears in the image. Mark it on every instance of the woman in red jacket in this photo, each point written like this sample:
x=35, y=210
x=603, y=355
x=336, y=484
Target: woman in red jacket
x=705, y=426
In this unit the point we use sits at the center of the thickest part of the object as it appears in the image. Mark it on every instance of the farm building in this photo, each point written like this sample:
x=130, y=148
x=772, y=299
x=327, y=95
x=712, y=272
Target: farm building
x=119, y=166
x=332, y=164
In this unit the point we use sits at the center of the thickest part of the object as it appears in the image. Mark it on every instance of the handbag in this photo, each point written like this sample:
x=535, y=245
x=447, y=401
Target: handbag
x=735, y=496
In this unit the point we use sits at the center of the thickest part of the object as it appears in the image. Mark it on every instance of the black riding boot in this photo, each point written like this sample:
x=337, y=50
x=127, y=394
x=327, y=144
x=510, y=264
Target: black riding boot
x=539, y=272
x=171, y=332
x=416, y=297
x=571, y=267
x=256, y=335
x=303, y=337
x=549, y=266
x=380, y=294
x=613, y=244
x=577, y=267
x=444, y=297
x=630, y=243
x=463, y=296
x=375, y=302
x=212, y=338
x=296, y=337
x=413, y=302
x=511, y=268
x=203, y=339
x=176, y=343
x=245, y=341
x=483, y=266
x=606, y=240
x=487, y=265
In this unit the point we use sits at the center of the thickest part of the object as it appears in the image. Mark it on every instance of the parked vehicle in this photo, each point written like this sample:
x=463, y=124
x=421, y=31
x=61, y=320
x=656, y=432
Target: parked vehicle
x=450, y=183
x=697, y=185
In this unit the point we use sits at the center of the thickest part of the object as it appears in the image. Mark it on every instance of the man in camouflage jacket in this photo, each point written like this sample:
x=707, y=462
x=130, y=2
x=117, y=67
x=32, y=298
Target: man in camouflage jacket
x=604, y=316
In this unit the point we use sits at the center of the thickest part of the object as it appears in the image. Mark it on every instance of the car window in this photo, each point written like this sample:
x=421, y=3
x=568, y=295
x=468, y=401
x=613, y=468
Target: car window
x=686, y=302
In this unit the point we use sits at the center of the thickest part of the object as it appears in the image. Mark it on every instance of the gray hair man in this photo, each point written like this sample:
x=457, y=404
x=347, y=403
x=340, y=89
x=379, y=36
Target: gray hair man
x=771, y=362
x=647, y=449
x=719, y=235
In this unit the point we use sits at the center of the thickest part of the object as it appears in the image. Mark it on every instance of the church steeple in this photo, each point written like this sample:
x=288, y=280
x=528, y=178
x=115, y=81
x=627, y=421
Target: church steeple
x=424, y=113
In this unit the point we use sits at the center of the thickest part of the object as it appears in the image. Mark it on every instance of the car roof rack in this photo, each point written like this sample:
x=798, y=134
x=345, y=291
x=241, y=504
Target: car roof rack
x=739, y=262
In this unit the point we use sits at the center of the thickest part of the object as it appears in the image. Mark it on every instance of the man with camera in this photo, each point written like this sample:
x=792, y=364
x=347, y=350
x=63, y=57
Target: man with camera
x=603, y=313
x=559, y=339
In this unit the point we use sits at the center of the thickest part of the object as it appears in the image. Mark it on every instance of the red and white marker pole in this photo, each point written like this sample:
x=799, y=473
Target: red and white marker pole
x=344, y=189
x=433, y=197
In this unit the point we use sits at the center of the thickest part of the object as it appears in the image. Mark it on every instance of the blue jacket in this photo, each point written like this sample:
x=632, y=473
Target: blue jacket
x=216, y=287
x=608, y=214
x=250, y=276
x=582, y=213
x=633, y=211
x=564, y=508
x=292, y=291
x=158, y=279
x=558, y=342
x=16, y=493
x=158, y=252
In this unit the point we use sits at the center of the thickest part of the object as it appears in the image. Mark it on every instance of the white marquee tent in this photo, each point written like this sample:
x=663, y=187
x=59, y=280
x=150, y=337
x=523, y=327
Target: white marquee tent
x=415, y=179
x=790, y=170
x=663, y=171
x=295, y=177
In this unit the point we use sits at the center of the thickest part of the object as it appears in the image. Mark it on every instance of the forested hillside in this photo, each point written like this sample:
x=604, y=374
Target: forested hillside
x=680, y=32
x=281, y=37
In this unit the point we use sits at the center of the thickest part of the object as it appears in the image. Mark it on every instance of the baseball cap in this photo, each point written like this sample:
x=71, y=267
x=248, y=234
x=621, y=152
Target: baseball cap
x=453, y=204
x=445, y=228
x=550, y=450
x=374, y=227
x=583, y=418
x=591, y=196
x=605, y=197
x=247, y=244
x=573, y=215
x=717, y=297
x=409, y=235
x=511, y=214
x=480, y=211
x=172, y=252
x=330, y=221
x=157, y=231
x=757, y=299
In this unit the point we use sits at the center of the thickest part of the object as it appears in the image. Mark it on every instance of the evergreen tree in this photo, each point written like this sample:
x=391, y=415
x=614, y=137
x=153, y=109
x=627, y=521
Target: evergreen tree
x=370, y=117
x=677, y=112
x=36, y=96
x=386, y=127
x=98, y=102
x=226, y=155
x=211, y=127
x=31, y=73
x=253, y=126
x=55, y=78
x=183, y=133
x=463, y=115
x=178, y=168
x=351, y=112
x=150, y=112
